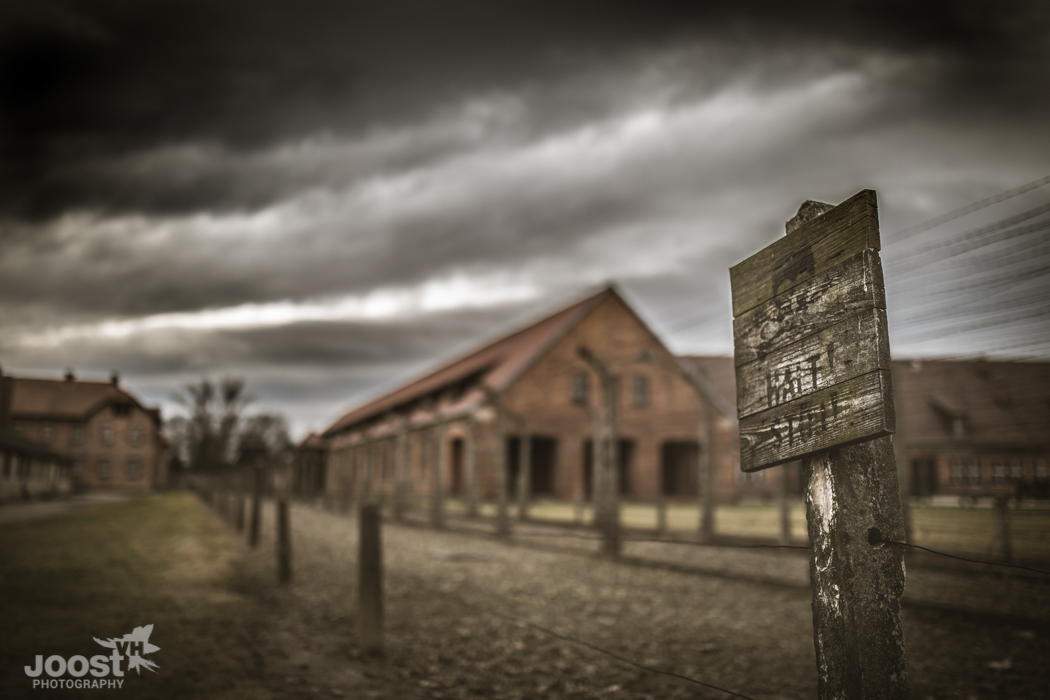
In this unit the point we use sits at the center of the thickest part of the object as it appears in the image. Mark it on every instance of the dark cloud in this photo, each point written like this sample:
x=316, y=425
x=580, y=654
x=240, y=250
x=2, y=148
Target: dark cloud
x=86, y=86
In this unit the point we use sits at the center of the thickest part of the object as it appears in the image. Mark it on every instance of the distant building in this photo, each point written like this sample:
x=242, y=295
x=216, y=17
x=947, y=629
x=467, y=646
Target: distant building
x=967, y=429
x=537, y=377
x=110, y=439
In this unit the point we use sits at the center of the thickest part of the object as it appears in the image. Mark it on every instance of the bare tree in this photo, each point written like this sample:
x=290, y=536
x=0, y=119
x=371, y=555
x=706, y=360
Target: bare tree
x=209, y=437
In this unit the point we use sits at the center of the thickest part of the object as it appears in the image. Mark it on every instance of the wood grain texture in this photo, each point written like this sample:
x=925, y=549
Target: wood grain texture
x=844, y=414
x=848, y=349
x=854, y=286
x=810, y=250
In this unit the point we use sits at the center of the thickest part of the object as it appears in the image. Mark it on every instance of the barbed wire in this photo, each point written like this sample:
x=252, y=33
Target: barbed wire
x=952, y=556
x=611, y=654
x=968, y=209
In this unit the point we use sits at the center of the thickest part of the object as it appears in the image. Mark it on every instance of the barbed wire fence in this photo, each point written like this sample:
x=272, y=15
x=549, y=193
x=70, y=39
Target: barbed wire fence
x=986, y=277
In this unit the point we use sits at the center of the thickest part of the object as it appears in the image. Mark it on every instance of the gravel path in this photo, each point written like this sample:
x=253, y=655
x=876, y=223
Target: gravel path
x=470, y=616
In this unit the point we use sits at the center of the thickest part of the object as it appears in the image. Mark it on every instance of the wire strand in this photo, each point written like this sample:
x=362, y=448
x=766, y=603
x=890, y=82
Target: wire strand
x=614, y=655
x=969, y=209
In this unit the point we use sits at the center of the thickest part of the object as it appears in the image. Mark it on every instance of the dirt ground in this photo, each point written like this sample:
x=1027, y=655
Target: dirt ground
x=470, y=616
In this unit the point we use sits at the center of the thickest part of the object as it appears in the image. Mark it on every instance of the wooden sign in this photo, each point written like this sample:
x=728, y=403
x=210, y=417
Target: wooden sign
x=811, y=347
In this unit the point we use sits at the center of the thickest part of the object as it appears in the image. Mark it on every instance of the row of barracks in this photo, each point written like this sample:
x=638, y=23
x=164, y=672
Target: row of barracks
x=531, y=400
x=965, y=429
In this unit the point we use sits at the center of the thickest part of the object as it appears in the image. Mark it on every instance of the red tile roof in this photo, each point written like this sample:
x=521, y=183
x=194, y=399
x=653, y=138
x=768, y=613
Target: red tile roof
x=494, y=366
x=69, y=399
x=1002, y=404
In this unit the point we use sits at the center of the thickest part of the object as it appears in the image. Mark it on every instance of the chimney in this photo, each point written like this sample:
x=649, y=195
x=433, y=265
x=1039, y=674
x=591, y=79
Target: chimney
x=114, y=378
x=70, y=377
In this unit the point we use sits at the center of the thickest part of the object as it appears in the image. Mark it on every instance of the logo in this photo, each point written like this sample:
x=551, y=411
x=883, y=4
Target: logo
x=131, y=648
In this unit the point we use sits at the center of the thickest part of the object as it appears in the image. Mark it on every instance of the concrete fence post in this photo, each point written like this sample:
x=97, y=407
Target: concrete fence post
x=472, y=468
x=370, y=581
x=400, y=474
x=284, y=542
x=257, y=487
x=524, y=470
x=607, y=489
x=502, y=517
x=437, y=477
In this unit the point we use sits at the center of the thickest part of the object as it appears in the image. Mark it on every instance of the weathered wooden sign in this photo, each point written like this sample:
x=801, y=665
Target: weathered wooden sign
x=811, y=348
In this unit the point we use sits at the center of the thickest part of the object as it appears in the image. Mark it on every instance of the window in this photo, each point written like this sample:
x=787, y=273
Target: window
x=1015, y=470
x=1040, y=470
x=7, y=465
x=973, y=470
x=47, y=431
x=957, y=472
x=999, y=471
x=17, y=427
x=78, y=469
x=76, y=436
x=134, y=468
x=103, y=467
x=134, y=434
x=640, y=391
x=580, y=387
x=107, y=433
x=958, y=428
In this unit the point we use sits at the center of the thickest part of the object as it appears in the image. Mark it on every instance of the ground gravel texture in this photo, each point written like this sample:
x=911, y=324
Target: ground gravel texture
x=472, y=616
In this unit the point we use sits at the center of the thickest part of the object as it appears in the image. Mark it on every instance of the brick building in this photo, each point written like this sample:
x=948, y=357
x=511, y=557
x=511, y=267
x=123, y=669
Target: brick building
x=970, y=427
x=529, y=398
x=963, y=428
x=109, y=437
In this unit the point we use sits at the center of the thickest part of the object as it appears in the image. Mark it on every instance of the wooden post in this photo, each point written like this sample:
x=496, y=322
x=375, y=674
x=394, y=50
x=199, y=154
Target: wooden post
x=370, y=581
x=284, y=542
x=609, y=467
x=813, y=382
x=785, y=505
x=472, y=468
x=437, y=477
x=257, y=487
x=524, y=469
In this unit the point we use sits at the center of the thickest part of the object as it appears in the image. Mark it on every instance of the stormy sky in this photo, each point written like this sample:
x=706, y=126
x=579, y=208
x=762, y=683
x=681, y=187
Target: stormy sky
x=328, y=197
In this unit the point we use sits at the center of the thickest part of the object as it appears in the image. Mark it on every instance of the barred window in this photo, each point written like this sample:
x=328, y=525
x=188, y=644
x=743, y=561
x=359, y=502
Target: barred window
x=999, y=472
x=1015, y=470
x=580, y=387
x=640, y=391
x=974, y=472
